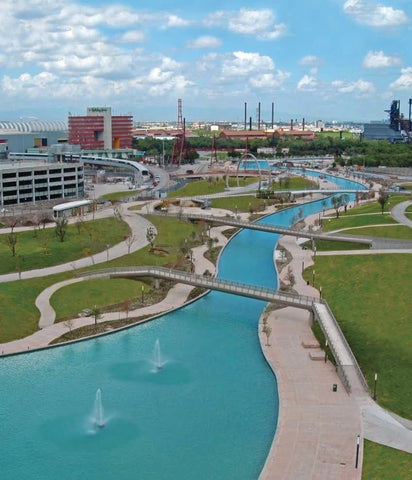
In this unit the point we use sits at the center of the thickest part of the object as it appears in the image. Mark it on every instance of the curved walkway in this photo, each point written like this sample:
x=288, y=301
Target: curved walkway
x=398, y=213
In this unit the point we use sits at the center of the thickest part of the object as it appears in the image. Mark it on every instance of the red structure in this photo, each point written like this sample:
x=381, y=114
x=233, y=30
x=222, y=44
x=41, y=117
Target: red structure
x=99, y=130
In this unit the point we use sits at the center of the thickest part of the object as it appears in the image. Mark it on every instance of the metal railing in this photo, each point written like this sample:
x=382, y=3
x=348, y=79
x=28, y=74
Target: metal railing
x=228, y=220
x=341, y=366
x=211, y=283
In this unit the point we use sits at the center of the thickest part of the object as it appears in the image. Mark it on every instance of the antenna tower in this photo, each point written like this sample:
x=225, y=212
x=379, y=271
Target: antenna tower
x=179, y=114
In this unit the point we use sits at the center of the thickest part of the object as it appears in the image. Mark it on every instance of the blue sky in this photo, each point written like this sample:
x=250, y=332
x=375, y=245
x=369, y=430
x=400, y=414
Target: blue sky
x=318, y=59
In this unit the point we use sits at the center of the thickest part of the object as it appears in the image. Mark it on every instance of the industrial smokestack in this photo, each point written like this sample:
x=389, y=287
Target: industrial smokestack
x=410, y=107
x=273, y=114
x=250, y=123
x=303, y=124
x=291, y=123
x=245, y=116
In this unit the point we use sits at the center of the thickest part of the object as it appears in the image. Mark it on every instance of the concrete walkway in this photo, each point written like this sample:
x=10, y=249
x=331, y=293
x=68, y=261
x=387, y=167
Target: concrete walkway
x=398, y=213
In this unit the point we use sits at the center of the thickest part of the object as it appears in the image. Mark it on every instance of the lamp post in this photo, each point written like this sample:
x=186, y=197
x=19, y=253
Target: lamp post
x=320, y=292
x=374, y=386
x=326, y=352
x=313, y=278
x=303, y=266
x=236, y=211
x=357, y=451
x=142, y=294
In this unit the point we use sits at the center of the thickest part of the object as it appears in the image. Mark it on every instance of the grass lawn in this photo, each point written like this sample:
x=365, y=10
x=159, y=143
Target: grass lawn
x=100, y=292
x=385, y=463
x=329, y=245
x=204, y=187
x=370, y=297
x=242, y=204
x=46, y=249
x=396, y=231
x=295, y=183
x=119, y=195
x=331, y=224
x=18, y=314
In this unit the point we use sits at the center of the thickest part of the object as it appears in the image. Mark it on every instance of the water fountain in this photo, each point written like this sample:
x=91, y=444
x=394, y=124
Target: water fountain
x=98, y=418
x=157, y=356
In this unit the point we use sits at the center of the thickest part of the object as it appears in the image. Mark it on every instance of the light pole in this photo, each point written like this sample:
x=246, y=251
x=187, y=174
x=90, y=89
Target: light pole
x=313, y=278
x=320, y=292
x=303, y=266
x=374, y=386
x=357, y=451
x=326, y=351
x=142, y=294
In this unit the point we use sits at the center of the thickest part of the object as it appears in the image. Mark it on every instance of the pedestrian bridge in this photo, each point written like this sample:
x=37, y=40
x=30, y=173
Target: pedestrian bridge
x=210, y=283
x=234, y=222
x=346, y=364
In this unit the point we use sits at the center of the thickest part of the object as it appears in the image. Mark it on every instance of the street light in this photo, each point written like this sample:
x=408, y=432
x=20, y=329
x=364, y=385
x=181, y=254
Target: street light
x=320, y=292
x=142, y=294
x=326, y=353
x=374, y=386
x=357, y=451
x=313, y=278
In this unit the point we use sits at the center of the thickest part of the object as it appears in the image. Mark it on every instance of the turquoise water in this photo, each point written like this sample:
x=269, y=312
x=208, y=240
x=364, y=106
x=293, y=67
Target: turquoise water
x=210, y=412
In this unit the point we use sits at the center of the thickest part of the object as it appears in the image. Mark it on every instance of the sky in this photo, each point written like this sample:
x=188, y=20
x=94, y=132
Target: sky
x=343, y=60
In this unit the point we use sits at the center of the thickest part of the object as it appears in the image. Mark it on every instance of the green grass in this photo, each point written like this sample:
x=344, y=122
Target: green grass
x=332, y=224
x=204, y=187
x=396, y=231
x=370, y=297
x=119, y=195
x=30, y=250
x=385, y=463
x=100, y=292
x=242, y=204
x=374, y=207
x=329, y=245
x=295, y=183
x=18, y=314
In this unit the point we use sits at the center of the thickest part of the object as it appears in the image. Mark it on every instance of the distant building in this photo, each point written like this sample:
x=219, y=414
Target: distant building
x=99, y=130
x=381, y=131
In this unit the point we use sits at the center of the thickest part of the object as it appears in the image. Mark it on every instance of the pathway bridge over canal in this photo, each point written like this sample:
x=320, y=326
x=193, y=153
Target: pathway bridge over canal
x=264, y=227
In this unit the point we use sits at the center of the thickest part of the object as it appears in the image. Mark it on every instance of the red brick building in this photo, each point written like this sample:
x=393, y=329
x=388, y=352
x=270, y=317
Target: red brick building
x=99, y=130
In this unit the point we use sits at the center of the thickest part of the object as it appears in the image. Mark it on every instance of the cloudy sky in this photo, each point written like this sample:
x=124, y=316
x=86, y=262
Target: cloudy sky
x=321, y=59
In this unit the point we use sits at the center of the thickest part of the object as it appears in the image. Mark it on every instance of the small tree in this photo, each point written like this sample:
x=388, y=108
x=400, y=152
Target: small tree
x=130, y=239
x=267, y=330
x=337, y=202
x=95, y=312
x=126, y=306
x=382, y=199
x=61, y=227
x=150, y=235
x=69, y=323
x=10, y=240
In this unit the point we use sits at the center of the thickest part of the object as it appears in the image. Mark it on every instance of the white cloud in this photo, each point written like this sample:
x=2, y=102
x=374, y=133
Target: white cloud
x=311, y=61
x=175, y=21
x=244, y=63
x=307, y=83
x=269, y=81
x=133, y=36
x=404, y=82
x=360, y=87
x=258, y=23
x=380, y=60
x=205, y=41
x=374, y=15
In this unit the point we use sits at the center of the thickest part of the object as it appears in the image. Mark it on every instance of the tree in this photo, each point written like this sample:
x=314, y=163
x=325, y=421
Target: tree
x=69, y=323
x=126, y=306
x=95, y=312
x=382, y=199
x=130, y=239
x=61, y=227
x=267, y=330
x=337, y=202
x=10, y=240
x=150, y=235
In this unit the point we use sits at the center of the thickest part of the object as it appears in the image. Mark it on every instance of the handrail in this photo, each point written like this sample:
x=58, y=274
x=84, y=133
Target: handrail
x=227, y=220
x=229, y=286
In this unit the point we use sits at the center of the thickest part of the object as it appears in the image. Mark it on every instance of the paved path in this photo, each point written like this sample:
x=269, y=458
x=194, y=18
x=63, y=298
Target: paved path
x=398, y=213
